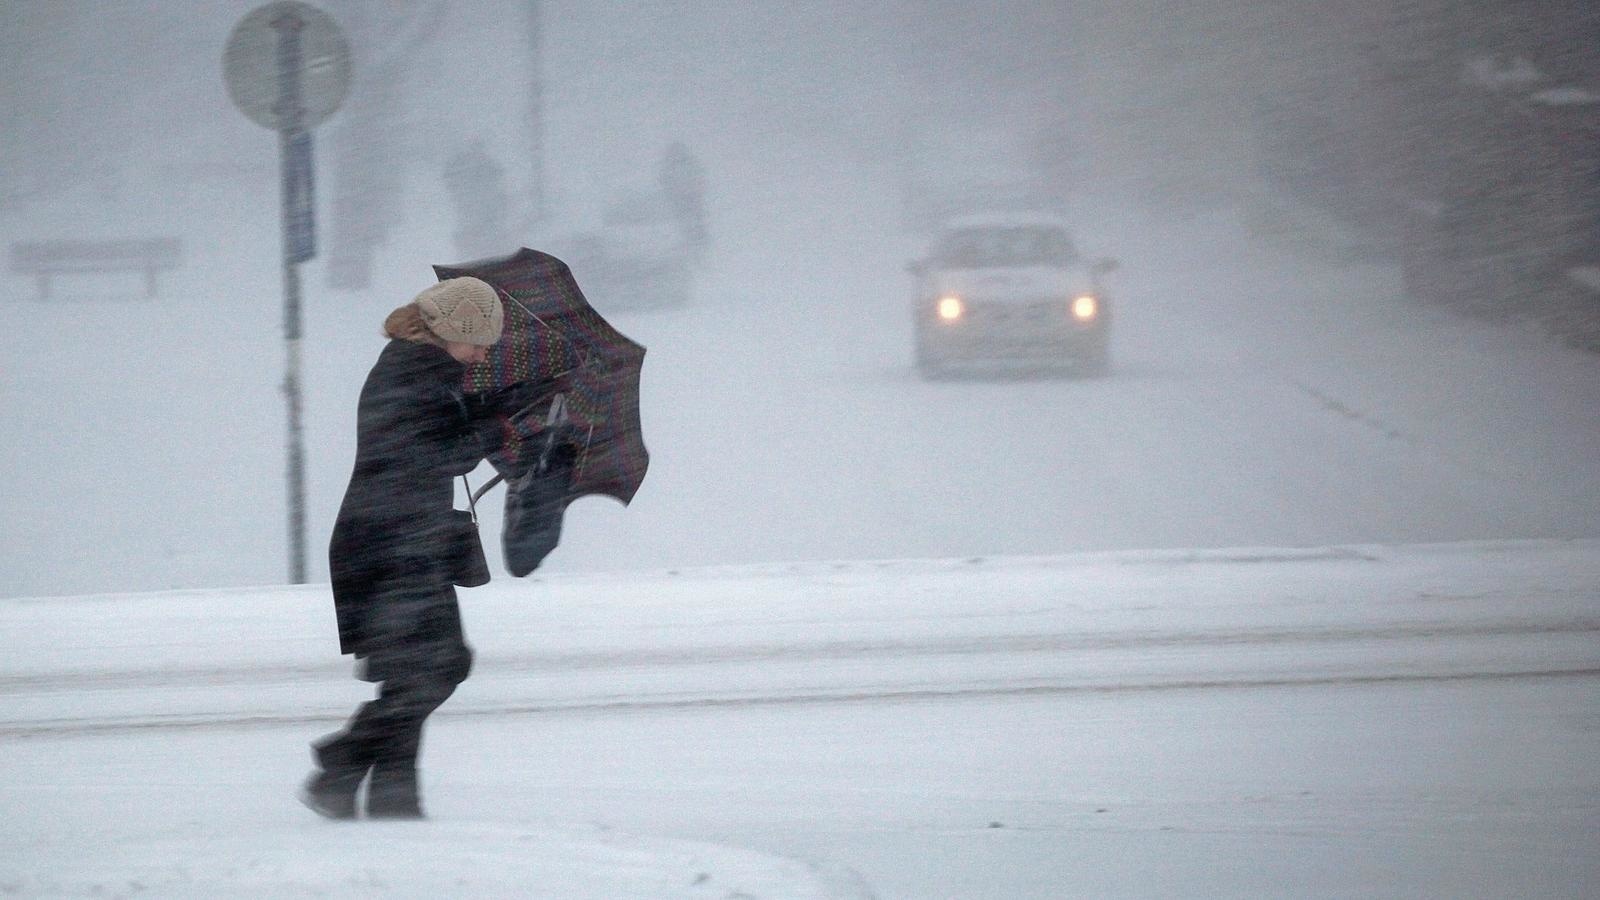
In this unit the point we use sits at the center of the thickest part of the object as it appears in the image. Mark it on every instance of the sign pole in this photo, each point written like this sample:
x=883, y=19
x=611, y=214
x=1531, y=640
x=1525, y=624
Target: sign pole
x=287, y=67
x=297, y=455
x=295, y=154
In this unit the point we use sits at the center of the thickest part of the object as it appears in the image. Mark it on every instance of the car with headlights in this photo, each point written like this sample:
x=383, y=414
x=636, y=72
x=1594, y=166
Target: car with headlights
x=1008, y=291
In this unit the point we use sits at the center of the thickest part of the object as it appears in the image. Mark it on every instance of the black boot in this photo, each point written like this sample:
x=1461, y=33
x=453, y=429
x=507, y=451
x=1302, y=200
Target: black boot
x=393, y=792
x=331, y=790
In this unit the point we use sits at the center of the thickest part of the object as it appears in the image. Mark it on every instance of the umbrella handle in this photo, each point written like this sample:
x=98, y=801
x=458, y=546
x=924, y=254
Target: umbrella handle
x=478, y=494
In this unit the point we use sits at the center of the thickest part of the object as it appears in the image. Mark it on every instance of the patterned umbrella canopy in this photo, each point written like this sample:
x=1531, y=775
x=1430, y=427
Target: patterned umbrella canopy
x=554, y=337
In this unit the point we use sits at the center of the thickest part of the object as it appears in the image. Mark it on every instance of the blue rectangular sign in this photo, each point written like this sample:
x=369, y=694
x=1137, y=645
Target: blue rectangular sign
x=299, y=206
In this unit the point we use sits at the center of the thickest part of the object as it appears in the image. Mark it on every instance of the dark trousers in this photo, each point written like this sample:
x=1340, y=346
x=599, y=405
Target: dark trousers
x=417, y=655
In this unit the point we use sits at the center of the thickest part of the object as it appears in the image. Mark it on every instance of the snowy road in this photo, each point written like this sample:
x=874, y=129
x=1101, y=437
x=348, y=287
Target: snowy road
x=1256, y=400
x=1361, y=720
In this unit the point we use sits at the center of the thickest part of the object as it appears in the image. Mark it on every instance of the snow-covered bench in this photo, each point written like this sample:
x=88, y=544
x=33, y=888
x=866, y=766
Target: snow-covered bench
x=60, y=257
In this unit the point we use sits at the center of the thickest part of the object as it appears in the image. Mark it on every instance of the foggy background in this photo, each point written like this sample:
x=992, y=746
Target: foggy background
x=1358, y=254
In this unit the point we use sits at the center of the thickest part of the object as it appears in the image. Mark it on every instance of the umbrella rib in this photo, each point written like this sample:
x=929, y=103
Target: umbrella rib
x=535, y=316
x=531, y=314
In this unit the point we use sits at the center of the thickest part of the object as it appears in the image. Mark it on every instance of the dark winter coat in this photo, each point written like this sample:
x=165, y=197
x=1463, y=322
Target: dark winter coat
x=414, y=435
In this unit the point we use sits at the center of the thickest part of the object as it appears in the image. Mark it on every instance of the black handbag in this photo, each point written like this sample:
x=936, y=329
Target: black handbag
x=535, y=504
x=468, y=566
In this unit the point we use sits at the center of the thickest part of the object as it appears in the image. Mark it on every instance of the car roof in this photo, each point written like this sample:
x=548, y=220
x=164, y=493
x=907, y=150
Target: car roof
x=1006, y=220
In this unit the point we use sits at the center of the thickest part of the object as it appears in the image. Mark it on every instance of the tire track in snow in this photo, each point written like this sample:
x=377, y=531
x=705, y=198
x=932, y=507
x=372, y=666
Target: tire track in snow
x=1394, y=433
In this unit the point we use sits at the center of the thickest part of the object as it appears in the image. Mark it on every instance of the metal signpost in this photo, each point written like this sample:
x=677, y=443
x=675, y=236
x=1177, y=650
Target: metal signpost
x=287, y=67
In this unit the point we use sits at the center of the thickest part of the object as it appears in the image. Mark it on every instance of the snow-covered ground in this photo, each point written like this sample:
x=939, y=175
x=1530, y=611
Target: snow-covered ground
x=1301, y=600
x=1359, y=720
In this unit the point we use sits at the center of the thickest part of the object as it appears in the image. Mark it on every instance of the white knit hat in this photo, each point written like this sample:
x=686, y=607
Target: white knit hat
x=465, y=310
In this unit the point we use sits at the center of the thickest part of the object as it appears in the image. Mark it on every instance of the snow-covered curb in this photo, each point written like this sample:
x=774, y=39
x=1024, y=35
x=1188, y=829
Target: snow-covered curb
x=419, y=859
x=892, y=630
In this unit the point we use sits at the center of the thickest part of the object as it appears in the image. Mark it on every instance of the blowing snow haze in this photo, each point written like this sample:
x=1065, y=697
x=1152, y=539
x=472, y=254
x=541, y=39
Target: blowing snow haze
x=1357, y=243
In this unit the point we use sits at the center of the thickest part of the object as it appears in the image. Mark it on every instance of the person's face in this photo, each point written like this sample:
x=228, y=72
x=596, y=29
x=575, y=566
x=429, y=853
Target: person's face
x=466, y=354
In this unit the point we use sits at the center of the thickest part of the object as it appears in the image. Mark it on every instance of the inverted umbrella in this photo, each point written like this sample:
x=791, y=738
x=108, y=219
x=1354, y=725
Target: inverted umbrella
x=554, y=340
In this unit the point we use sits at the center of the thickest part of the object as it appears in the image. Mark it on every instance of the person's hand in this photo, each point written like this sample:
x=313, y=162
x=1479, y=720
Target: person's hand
x=547, y=411
x=560, y=448
x=477, y=406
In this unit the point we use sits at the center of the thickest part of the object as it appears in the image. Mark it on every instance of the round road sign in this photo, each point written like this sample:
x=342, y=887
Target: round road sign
x=252, y=65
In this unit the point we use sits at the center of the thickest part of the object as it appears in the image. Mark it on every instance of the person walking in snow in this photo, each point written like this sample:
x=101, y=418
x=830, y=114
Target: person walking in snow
x=389, y=556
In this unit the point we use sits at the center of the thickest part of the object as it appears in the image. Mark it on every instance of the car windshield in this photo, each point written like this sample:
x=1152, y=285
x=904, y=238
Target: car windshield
x=974, y=248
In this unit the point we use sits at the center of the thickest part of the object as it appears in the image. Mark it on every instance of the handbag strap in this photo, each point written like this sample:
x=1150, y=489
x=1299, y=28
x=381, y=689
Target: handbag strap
x=472, y=502
x=477, y=495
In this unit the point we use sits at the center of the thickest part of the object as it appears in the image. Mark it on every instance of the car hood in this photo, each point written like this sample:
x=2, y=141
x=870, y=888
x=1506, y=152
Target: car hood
x=1029, y=283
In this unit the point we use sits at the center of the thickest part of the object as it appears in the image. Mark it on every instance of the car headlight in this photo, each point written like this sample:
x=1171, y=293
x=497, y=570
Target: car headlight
x=1085, y=307
x=950, y=308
